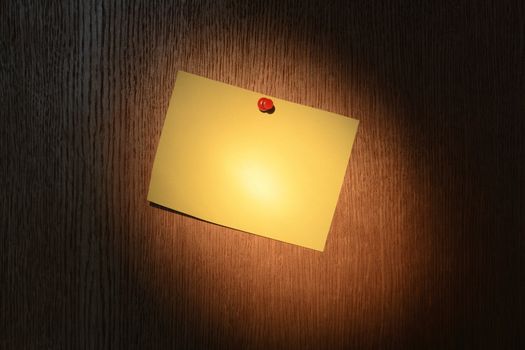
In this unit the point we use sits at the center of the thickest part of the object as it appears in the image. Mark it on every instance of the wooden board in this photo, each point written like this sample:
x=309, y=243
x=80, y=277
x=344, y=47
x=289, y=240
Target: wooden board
x=426, y=247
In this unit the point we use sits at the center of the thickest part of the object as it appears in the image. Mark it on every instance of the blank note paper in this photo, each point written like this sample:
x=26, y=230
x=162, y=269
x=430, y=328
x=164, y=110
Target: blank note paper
x=276, y=175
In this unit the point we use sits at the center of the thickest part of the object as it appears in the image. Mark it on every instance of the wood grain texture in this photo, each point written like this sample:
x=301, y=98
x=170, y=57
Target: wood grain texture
x=427, y=245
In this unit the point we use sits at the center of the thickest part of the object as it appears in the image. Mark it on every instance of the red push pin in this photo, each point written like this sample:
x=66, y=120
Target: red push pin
x=265, y=105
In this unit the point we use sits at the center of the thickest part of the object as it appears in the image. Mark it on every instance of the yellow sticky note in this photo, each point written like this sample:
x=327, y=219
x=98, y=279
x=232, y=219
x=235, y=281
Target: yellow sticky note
x=276, y=175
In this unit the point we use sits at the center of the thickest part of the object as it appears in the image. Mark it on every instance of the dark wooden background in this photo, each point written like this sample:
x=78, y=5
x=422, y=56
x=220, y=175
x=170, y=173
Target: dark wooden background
x=427, y=245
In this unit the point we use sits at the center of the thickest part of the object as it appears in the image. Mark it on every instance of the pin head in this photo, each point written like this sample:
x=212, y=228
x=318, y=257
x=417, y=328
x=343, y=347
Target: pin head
x=265, y=104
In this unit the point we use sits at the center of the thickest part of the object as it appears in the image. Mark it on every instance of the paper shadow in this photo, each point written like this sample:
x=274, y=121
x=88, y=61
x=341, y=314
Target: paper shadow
x=158, y=206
